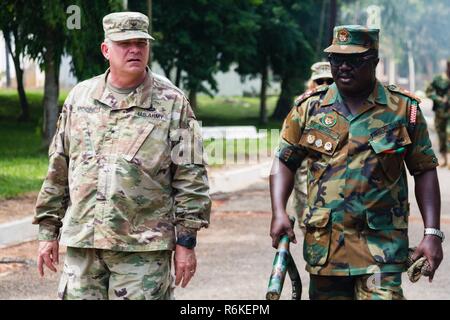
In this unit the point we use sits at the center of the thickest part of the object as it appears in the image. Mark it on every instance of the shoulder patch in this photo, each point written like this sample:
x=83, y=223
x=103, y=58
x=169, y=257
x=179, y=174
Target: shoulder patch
x=394, y=88
x=300, y=99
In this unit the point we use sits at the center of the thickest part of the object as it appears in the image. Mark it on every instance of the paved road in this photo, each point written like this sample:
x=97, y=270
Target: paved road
x=234, y=254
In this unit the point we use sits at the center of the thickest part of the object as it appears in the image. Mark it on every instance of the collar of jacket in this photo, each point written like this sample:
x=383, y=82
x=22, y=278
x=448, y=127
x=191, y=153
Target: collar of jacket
x=141, y=97
x=378, y=95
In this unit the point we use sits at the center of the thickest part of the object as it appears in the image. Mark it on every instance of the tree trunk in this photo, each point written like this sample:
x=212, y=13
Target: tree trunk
x=262, y=95
x=178, y=77
x=167, y=72
x=7, y=71
x=290, y=87
x=319, y=43
x=25, y=109
x=51, y=93
x=193, y=99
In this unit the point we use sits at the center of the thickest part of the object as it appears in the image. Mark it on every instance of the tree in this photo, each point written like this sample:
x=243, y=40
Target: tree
x=45, y=37
x=295, y=54
x=44, y=25
x=197, y=38
x=13, y=34
x=423, y=24
x=84, y=44
x=282, y=47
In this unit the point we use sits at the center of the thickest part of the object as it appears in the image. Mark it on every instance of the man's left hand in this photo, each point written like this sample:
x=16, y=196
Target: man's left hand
x=185, y=265
x=431, y=248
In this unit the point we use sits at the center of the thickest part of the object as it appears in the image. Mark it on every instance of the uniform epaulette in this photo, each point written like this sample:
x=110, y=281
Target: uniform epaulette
x=309, y=94
x=394, y=88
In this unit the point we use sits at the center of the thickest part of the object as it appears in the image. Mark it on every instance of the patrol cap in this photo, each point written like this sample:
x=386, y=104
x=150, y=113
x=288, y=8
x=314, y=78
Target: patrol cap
x=321, y=70
x=119, y=26
x=350, y=39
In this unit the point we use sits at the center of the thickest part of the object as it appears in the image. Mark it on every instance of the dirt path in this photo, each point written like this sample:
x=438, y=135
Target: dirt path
x=18, y=207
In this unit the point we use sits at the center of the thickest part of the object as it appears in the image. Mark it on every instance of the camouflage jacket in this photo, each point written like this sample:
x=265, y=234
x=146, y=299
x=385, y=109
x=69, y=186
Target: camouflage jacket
x=124, y=175
x=357, y=208
x=439, y=91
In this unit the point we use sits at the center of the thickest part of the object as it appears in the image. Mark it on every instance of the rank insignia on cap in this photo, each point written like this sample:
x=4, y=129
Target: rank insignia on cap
x=329, y=120
x=343, y=35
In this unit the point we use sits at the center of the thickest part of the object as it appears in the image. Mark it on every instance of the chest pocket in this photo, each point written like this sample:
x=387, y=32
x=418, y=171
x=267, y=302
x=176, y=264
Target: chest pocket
x=321, y=143
x=137, y=142
x=390, y=143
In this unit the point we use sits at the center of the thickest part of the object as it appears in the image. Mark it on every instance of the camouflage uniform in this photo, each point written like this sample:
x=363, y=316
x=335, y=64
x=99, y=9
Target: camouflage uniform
x=439, y=92
x=116, y=275
x=357, y=208
x=379, y=286
x=126, y=177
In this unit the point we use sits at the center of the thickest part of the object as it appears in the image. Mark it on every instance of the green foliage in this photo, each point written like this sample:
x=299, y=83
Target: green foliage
x=423, y=24
x=84, y=44
x=44, y=29
x=10, y=23
x=284, y=38
x=197, y=38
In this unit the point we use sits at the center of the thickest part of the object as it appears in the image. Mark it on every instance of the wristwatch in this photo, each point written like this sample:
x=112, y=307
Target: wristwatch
x=435, y=232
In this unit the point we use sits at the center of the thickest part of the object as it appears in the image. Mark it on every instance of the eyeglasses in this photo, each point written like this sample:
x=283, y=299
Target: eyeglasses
x=355, y=61
x=324, y=81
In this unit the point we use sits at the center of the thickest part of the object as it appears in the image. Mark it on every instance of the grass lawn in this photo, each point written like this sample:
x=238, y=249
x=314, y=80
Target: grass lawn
x=23, y=161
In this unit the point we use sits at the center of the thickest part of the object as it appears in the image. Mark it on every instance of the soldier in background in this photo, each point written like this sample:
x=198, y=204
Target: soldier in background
x=439, y=92
x=320, y=75
x=126, y=173
x=357, y=135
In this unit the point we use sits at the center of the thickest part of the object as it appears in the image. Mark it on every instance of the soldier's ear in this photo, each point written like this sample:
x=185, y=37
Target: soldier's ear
x=105, y=50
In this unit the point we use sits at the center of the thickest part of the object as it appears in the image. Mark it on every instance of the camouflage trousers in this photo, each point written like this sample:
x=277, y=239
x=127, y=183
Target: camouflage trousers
x=378, y=286
x=95, y=274
x=299, y=196
x=442, y=125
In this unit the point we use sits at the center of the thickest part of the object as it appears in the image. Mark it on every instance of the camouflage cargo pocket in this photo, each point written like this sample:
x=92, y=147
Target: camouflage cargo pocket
x=317, y=237
x=389, y=143
x=387, y=234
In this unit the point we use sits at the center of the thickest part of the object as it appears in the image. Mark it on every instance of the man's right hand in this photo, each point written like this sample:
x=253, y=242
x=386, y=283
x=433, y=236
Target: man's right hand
x=48, y=254
x=279, y=226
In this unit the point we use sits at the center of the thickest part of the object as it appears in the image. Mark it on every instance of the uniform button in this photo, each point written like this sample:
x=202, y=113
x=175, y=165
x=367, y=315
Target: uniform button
x=318, y=143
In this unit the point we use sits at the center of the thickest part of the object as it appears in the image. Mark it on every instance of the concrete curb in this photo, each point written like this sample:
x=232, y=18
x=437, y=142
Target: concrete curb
x=15, y=232
x=238, y=179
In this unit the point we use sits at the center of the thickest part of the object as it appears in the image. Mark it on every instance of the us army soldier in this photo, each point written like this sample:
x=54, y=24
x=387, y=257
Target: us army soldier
x=357, y=135
x=126, y=174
